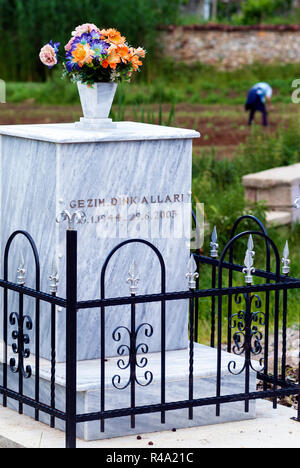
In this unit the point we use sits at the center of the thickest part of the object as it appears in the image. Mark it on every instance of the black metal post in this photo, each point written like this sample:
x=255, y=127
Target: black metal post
x=229, y=330
x=197, y=303
x=20, y=348
x=102, y=364
x=284, y=337
x=191, y=357
x=276, y=345
x=248, y=320
x=163, y=357
x=213, y=309
x=132, y=361
x=53, y=358
x=5, y=324
x=37, y=353
x=219, y=353
x=71, y=338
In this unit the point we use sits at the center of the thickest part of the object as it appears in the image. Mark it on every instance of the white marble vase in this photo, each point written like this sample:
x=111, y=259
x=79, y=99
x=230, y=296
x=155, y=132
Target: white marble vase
x=96, y=102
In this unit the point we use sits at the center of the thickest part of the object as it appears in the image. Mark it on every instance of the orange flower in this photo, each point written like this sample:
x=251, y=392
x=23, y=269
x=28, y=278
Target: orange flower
x=124, y=53
x=136, y=63
x=140, y=52
x=113, y=36
x=82, y=54
x=112, y=49
x=135, y=59
x=112, y=60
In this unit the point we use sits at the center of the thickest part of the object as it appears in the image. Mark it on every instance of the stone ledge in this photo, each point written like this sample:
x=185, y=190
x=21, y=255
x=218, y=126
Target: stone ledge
x=278, y=218
x=278, y=176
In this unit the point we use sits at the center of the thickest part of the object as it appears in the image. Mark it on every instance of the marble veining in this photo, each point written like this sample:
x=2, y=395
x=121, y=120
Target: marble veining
x=41, y=179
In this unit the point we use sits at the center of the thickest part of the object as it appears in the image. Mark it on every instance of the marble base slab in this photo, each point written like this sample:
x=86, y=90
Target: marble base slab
x=177, y=365
x=95, y=124
x=125, y=131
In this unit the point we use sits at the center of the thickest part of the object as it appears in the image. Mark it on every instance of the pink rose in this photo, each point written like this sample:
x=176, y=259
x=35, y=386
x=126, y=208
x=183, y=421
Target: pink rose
x=48, y=56
x=84, y=28
x=69, y=45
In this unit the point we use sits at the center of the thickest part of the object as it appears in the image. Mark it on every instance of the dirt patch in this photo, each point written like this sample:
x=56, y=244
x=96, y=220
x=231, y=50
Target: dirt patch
x=221, y=127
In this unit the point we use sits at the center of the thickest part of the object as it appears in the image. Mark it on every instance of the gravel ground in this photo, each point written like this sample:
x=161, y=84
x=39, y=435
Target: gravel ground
x=292, y=360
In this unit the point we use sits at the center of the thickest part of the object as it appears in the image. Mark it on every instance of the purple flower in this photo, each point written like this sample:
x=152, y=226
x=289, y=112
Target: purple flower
x=55, y=46
x=99, y=47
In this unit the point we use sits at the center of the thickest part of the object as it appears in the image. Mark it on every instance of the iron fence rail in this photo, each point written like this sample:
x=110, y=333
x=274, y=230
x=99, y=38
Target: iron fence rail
x=244, y=331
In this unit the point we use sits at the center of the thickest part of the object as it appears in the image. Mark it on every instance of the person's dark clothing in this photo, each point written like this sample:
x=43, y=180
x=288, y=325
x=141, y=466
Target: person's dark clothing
x=253, y=104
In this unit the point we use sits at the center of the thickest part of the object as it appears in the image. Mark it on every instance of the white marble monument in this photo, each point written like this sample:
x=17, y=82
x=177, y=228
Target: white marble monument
x=131, y=181
x=117, y=177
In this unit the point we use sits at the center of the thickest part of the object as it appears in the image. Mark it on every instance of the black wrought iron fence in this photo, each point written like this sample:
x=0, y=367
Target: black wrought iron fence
x=238, y=309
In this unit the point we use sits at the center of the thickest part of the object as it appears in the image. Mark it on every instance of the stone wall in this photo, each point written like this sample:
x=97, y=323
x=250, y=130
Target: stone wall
x=230, y=47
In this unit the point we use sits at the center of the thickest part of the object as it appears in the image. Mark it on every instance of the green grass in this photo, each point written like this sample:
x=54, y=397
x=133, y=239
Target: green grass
x=218, y=184
x=169, y=82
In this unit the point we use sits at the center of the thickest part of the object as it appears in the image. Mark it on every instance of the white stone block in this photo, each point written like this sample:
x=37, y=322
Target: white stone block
x=278, y=188
x=46, y=169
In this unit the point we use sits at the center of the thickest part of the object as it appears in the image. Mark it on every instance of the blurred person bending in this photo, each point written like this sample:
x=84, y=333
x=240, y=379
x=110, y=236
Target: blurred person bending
x=256, y=101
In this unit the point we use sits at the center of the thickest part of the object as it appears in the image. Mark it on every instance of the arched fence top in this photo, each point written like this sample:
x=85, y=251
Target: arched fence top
x=250, y=217
x=263, y=230
x=34, y=250
x=244, y=234
x=133, y=241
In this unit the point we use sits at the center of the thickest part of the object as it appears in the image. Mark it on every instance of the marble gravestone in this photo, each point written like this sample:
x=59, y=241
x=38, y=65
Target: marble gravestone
x=135, y=177
x=132, y=181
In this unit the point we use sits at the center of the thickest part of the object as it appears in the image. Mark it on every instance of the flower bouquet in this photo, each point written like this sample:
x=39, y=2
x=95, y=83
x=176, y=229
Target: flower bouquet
x=97, y=60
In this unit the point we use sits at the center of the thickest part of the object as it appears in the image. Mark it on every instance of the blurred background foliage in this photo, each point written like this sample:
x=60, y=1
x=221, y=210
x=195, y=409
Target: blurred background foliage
x=27, y=25
x=169, y=82
x=238, y=12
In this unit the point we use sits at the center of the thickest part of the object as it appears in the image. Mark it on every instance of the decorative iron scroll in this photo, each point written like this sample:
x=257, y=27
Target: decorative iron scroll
x=20, y=348
x=243, y=320
x=133, y=358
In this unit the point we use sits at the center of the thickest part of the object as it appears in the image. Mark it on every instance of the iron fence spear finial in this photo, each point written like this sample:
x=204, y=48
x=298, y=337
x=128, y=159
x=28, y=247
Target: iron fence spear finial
x=192, y=274
x=21, y=271
x=285, y=260
x=133, y=279
x=249, y=269
x=54, y=279
x=214, y=243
